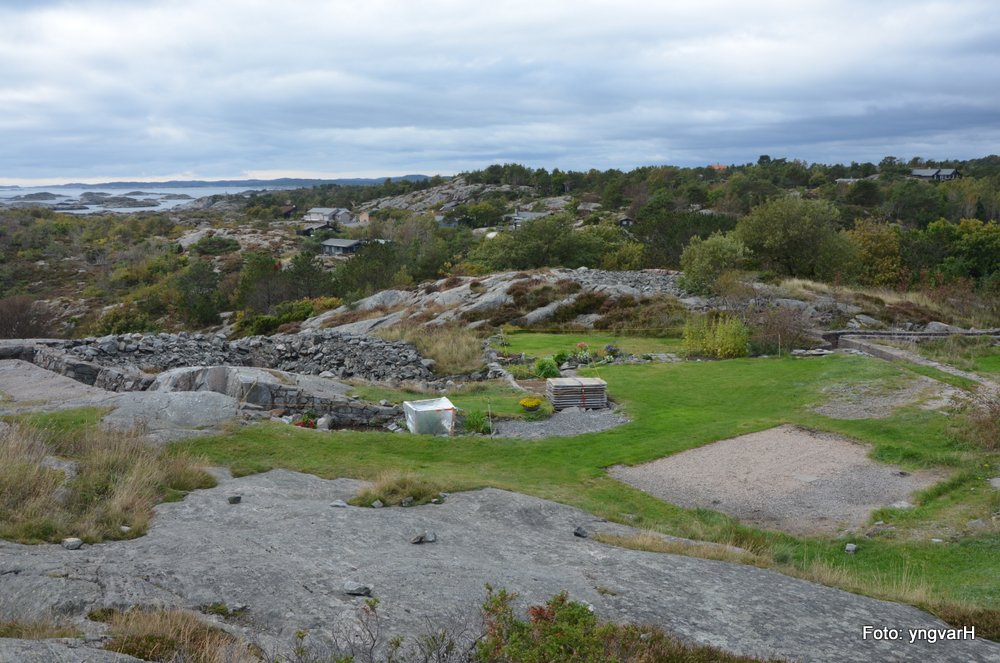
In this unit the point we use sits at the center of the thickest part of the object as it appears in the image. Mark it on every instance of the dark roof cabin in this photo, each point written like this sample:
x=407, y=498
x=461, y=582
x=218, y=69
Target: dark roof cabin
x=340, y=247
x=935, y=174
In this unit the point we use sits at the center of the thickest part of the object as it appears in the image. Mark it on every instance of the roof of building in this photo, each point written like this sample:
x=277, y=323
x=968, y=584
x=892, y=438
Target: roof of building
x=342, y=243
x=932, y=172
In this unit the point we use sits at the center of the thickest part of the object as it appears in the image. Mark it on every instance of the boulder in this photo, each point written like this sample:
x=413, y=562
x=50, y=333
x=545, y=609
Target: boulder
x=165, y=416
x=942, y=328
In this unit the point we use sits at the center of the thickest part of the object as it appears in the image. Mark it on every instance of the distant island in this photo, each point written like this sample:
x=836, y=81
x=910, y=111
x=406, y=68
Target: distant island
x=290, y=182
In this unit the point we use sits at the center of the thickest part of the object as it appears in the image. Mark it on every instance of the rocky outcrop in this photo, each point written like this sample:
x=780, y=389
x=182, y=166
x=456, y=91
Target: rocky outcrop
x=164, y=417
x=271, y=389
x=57, y=651
x=289, y=553
x=450, y=194
x=469, y=300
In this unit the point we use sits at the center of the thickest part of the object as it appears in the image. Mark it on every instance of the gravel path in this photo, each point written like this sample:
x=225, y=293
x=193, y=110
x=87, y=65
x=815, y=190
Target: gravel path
x=784, y=478
x=571, y=421
x=880, y=399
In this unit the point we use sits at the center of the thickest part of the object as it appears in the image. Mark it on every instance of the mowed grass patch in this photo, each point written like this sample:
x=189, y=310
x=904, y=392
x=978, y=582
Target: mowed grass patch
x=537, y=344
x=672, y=407
x=496, y=397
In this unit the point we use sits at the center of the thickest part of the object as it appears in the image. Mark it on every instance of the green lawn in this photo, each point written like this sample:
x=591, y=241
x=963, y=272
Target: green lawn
x=674, y=407
x=537, y=344
x=498, y=398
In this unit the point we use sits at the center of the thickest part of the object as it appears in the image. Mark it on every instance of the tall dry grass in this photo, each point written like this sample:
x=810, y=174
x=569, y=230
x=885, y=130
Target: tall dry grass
x=175, y=635
x=118, y=480
x=454, y=349
x=957, y=303
x=41, y=629
x=391, y=486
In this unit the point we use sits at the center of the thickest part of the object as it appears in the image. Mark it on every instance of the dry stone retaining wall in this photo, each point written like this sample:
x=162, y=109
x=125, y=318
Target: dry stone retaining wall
x=114, y=362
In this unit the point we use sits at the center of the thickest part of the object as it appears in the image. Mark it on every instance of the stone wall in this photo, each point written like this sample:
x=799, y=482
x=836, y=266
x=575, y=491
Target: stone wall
x=117, y=362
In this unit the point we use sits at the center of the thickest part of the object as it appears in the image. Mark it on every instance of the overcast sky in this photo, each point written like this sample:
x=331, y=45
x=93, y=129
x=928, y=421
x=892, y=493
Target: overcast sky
x=128, y=89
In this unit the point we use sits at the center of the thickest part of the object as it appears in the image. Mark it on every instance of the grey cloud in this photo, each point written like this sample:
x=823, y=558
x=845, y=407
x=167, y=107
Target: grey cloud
x=228, y=87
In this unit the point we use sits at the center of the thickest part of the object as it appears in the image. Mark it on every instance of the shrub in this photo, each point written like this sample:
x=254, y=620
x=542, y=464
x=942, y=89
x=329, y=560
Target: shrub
x=123, y=319
x=477, y=422
x=564, y=631
x=722, y=338
x=779, y=329
x=22, y=317
x=546, y=368
x=248, y=323
x=293, y=311
x=215, y=245
x=704, y=260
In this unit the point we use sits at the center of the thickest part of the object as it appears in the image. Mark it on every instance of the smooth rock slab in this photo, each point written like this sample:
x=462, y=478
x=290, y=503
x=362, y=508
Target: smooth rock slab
x=287, y=555
x=56, y=651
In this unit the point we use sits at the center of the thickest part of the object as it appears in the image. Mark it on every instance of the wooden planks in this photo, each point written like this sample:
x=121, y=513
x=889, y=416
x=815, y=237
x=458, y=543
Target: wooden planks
x=589, y=393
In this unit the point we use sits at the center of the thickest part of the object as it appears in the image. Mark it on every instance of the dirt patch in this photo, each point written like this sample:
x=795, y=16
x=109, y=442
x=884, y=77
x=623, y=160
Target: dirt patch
x=880, y=399
x=785, y=478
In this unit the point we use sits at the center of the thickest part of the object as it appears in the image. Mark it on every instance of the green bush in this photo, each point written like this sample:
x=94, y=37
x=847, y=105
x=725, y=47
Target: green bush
x=293, y=311
x=546, y=368
x=704, y=260
x=123, y=319
x=722, y=338
x=216, y=245
x=476, y=422
x=249, y=323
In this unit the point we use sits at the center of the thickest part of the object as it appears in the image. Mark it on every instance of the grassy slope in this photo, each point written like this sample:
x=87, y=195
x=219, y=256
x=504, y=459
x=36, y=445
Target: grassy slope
x=676, y=407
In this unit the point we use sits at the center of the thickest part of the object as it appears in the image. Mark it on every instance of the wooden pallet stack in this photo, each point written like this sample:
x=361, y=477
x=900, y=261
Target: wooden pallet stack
x=588, y=393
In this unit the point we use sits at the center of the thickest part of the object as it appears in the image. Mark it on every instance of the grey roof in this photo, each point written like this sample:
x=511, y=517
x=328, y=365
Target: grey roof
x=342, y=243
x=934, y=172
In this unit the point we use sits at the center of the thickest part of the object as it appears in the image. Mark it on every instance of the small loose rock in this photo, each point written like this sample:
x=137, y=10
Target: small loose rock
x=426, y=537
x=850, y=548
x=352, y=588
x=72, y=543
x=235, y=499
x=377, y=504
x=581, y=532
x=339, y=504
